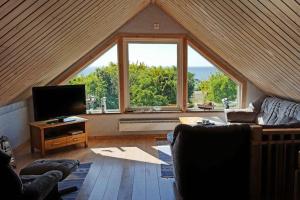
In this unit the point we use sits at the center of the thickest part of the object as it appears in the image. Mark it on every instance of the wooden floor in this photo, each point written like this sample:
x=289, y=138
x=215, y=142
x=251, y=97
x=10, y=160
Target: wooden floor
x=123, y=168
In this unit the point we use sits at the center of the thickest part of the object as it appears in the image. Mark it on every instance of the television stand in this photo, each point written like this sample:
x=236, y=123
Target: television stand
x=50, y=134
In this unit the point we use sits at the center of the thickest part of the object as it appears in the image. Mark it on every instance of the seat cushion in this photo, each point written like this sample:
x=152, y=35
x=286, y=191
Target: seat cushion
x=39, y=167
x=40, y=186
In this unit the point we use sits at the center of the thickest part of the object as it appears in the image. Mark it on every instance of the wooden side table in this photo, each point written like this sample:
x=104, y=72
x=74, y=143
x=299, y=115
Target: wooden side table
x=45, y=136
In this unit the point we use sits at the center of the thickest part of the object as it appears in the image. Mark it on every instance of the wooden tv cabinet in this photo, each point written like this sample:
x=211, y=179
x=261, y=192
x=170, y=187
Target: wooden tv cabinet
x=45, y=136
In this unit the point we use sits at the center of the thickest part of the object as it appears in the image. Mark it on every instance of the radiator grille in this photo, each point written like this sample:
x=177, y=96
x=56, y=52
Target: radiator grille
x=148, y=124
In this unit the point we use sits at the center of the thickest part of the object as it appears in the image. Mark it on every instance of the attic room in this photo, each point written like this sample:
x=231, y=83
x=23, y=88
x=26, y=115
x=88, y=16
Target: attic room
x=149, y=99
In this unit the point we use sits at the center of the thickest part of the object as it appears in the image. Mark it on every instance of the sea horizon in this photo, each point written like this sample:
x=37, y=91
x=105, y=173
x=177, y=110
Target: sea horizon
x=200, y=72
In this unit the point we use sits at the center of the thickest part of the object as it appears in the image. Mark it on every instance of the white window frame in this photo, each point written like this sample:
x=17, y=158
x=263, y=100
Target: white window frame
x=179, y=95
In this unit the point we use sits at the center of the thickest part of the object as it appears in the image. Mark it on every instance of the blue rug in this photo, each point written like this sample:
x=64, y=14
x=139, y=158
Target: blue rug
x=76, y=178
x=164, y=154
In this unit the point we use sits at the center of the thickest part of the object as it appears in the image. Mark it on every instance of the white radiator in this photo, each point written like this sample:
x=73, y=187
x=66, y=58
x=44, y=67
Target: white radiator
x=148, y=124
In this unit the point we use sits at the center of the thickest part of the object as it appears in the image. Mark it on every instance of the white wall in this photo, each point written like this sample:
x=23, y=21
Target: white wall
x=253, y=93
x=14, y=123
x=143, y=22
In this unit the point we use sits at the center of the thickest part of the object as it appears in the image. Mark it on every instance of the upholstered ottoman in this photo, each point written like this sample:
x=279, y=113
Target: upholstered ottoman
x=42, y=166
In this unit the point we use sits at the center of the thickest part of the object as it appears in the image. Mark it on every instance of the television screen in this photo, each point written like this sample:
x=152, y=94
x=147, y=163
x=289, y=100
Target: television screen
x=58, y=101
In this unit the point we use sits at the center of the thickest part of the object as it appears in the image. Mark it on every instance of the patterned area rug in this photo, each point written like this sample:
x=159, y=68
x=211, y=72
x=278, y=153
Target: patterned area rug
x=76, y=178
x=164, y=154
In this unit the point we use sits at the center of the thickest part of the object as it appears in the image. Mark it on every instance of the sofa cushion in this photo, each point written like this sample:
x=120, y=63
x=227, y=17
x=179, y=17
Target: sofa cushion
x=42, y=166
x=40, y=186
x=240, y=116
x=276, y=111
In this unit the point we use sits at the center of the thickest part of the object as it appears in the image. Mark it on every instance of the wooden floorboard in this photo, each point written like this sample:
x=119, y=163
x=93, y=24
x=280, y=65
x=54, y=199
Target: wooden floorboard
x=123, y=168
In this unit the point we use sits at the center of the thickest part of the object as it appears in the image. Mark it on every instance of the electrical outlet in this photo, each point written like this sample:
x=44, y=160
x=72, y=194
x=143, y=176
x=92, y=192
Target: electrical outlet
x=156, y=26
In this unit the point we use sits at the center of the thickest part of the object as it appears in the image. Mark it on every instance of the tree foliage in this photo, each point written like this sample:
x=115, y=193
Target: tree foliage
x=101, y=83
x=217, y=87
x=149, y=85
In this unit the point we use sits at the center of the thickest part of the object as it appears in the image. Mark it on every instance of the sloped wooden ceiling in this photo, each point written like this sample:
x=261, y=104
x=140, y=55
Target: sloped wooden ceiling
x=40, y=39
x=261, y=39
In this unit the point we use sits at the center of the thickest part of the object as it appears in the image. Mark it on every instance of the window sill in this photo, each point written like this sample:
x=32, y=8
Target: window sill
x=153, y=112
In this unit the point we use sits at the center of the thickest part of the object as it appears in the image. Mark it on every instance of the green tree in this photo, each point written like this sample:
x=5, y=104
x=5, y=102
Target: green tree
x=101, y=83
x=217, y=87
x=191, y=85
x=148, y=85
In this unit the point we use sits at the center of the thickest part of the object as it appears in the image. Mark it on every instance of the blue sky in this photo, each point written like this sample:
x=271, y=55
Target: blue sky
x=152, y=54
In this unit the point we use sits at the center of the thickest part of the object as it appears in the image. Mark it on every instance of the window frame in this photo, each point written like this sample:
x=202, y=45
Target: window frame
x=184, y=39
x=178, y=42
x=233, y=78
x=105, y=50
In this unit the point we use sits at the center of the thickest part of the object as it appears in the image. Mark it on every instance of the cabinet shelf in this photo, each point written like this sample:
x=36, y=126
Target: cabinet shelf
x=46, y=136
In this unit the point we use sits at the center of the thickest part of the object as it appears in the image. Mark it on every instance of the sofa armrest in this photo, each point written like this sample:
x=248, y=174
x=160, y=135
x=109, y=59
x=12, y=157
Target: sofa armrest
x=240, y=116
x=39, y=186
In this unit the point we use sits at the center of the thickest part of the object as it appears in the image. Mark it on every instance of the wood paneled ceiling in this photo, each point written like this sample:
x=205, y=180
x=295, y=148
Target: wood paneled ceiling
x=39, y=39
x=261, y=39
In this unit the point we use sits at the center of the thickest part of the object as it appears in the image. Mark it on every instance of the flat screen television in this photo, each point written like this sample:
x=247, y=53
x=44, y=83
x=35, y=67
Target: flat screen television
x=52, y=102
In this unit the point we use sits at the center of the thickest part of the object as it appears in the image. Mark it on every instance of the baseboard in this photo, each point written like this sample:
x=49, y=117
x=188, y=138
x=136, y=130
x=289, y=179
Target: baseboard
x=22, y=146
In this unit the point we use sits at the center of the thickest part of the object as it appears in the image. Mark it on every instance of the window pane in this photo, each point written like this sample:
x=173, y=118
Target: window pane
x=102, y=81
x=208, y=87
x=152, y=74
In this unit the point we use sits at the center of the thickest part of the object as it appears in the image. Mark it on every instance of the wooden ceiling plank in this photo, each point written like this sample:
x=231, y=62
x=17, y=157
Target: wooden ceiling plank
x=65, y=55
x=3, y=2
x=116, y=20
x=201, y=30
x=33, y=48
x=259, y=25
x=19, y=10
x=29, y=21
x=268, y=25
x=262, y=43
x=44, y=57
x=291, y=29
x=288, y=11
x=8, y=7
x=237, y=62
x=41, y=33
x=234, y=31
x=46, y=22
x=293, y=5
x=52, y=77
x=17, y=20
